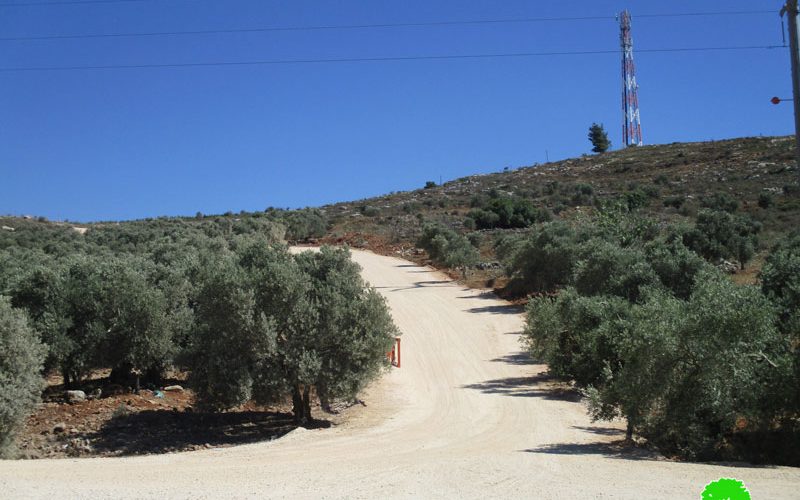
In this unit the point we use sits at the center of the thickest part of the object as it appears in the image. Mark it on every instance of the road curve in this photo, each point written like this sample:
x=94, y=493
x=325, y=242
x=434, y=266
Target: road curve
x=466, y=416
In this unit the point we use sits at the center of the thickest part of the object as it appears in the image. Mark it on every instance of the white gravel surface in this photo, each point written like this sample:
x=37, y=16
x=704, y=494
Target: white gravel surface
x=464, y=417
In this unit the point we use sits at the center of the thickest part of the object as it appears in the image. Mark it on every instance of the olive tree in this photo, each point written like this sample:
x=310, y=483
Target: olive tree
x=448, y=248
x=720, y=235
x=353, y=329
x=273, y=325
x=780, y=282
x=234, y=341
x=687, y=370
x=545, y=260
x=607, y=269
x=40, y=292
x=21, y=360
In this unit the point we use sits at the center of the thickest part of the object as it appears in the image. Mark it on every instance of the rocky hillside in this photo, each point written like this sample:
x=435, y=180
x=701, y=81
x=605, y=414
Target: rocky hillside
x=671, y=182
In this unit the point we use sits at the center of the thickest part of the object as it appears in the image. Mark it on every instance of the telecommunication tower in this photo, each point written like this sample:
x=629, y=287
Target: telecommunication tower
x=631, y=124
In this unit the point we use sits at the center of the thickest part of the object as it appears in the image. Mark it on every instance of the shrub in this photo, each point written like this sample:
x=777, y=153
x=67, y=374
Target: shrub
x=675, y=202
x=606, y=269
x=765, y=200
x=483, y=219
x=505, y=212
x=21, y=360
x=584, y=189
x=636, y=199
x=675, y=265
x=719, y=235
x=410, y=207
x=582, y=194
x=720, y=201
x=544, y=261
x=429, y=185
x=506, y=247
x=475, y=239
x=780, y=281
x=661, y=179
x=447, y=248
x=369, y=211
x=615, y=223
x=574, y=334
x=301, y=225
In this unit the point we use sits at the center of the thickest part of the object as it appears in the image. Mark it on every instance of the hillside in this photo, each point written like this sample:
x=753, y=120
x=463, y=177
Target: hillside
x=669, y=182
x=617, y=255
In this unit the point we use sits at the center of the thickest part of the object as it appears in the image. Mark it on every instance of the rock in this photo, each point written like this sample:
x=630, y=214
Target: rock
x=78, y=446
x=75, y=396
x=59, y=428
x=728, y=267
x=171, y=388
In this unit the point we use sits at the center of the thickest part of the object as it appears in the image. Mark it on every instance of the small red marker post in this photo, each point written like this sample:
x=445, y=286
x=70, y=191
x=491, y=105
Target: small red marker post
x=397, y=340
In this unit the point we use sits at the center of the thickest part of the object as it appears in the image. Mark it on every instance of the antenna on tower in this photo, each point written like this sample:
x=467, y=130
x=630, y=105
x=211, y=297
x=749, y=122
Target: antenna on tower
x=631, y=124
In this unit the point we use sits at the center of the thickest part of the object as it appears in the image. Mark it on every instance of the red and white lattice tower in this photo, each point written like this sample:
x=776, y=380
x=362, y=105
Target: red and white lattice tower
x=631, y=124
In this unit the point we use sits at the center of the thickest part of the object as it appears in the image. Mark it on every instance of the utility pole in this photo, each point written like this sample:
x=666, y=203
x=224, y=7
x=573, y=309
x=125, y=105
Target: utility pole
x=790, y=9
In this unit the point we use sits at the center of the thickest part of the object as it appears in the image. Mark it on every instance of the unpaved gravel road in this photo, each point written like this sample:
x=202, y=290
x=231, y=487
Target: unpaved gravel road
x=465, y=416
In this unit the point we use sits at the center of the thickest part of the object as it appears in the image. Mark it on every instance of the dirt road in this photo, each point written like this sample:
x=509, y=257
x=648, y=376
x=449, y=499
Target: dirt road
x=466, y=416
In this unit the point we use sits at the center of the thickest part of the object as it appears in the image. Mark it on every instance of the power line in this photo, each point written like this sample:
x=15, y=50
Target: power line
x=380, y=59
x=701, y=14
x=354, y=26
x=68, y=2
x=309, y=28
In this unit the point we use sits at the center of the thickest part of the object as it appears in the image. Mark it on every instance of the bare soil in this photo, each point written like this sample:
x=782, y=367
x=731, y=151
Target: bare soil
x=150, y=421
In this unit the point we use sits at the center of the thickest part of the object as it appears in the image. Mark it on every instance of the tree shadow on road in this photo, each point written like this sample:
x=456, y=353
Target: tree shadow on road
x=418, y=284
x=504, y=309
x=626, y=450
x=542, y=385
x=517, y=358
x=160, y=431
x=615, y=449
x=602, y=431
x=488, y=295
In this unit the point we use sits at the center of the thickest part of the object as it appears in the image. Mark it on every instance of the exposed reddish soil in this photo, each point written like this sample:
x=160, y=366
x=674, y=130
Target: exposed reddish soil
x=150, y=421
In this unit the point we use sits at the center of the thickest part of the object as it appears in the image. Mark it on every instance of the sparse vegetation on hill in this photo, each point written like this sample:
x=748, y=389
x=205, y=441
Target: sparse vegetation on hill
x=752, y=178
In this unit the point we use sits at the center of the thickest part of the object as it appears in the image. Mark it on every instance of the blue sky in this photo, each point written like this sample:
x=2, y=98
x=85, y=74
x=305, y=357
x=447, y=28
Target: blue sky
x=131, y=143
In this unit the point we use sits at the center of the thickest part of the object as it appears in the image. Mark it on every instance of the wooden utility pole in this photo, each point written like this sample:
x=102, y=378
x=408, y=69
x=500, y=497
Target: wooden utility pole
x=790, y=9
